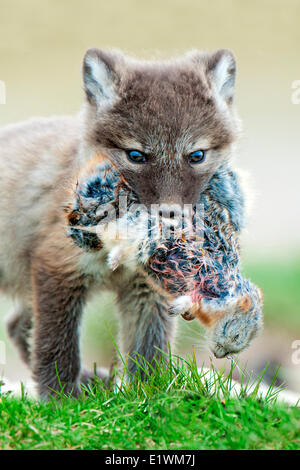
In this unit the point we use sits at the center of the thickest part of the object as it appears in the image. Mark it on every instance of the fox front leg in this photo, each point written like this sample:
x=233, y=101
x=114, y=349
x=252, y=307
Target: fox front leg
x=58, y=307
x=146, y=327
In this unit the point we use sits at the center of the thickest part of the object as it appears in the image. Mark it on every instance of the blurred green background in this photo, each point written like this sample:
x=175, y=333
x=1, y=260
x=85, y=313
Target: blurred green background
x=41, y=48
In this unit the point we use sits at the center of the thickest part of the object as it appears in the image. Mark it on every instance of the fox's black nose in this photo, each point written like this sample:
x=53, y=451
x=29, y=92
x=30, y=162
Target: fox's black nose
x=166, y=214
x=169, y=211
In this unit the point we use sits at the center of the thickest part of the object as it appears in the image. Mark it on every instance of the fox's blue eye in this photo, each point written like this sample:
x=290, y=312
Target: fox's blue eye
x=135, y=156
x=197, y=157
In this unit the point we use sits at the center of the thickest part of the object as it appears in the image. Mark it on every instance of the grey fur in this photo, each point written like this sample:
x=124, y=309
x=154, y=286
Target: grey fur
x=19, y=328
x=146, y=327
x=164, y=108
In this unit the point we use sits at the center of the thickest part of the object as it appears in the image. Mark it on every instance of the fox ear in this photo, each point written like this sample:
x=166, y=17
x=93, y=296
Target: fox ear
x=100, y=78
x=221, y=69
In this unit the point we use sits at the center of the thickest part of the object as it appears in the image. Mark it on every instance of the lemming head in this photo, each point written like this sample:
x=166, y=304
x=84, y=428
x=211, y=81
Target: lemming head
x=234, y=333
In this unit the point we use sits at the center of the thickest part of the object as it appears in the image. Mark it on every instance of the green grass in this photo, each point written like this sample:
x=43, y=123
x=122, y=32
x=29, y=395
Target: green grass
x=171, y=409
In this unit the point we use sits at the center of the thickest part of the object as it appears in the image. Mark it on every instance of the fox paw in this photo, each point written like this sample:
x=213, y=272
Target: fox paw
x=181, y=305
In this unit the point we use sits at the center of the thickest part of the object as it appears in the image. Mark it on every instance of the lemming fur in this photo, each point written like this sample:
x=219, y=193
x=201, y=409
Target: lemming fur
x=203, y=274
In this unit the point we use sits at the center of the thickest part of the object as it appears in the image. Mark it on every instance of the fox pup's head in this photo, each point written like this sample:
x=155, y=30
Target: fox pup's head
x=167, y=126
